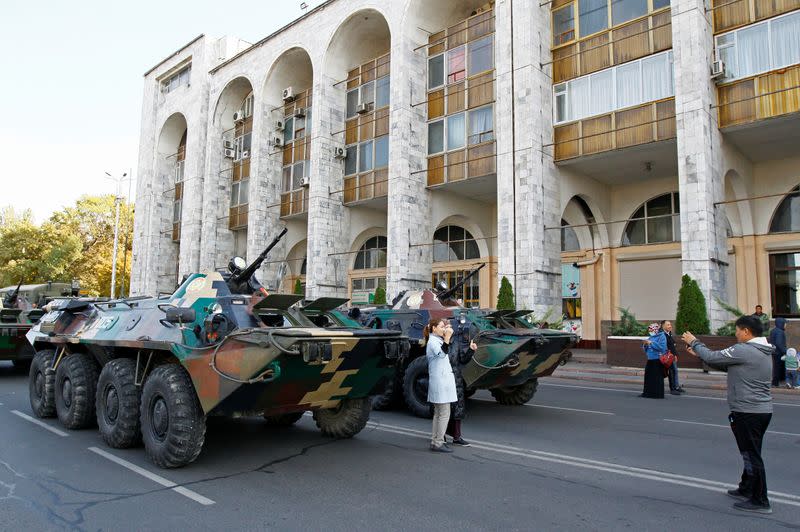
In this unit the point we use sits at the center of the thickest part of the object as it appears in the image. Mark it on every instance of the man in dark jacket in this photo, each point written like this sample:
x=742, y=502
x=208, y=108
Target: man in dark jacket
x=675, y=387
x=749, y=366
x=777, y=337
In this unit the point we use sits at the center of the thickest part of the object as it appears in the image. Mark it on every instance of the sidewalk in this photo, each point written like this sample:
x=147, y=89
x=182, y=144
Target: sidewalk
x=590, y=366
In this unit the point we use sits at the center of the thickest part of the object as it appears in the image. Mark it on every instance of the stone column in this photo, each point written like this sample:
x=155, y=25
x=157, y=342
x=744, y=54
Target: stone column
x=700, y=172
x=192, y=204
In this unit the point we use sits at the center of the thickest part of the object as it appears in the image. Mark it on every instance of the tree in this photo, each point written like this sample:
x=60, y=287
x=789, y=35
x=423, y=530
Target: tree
x=380, y=296
x=692, y=314
x=298, y=288
x=505, y=297
x=729, y=329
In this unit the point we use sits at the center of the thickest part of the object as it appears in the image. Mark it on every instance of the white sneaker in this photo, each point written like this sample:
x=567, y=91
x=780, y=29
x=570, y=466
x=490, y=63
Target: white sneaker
x=788, y=385
x=797, y=387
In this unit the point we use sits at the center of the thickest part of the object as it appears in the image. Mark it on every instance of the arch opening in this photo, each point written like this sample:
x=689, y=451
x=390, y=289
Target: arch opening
x=657, y=221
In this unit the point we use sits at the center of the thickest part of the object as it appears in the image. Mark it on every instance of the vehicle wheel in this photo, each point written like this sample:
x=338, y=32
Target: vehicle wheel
x=23, y=364
x=515, y=395
x=173, y=423
x=346, y=420
x=392, y=395
x=41, y=384
x=283, y=420
x=75, y=387
x=117, y=404
x=415, y=388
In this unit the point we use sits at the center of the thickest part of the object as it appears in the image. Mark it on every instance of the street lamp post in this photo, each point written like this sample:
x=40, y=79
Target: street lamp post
x=117, y=201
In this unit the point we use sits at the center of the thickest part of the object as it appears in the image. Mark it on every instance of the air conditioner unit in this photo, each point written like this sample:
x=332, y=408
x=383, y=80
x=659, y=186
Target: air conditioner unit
x=238, y=116
x=362, y=108
x=245, y=154
x=717, y=70
x=277, y=142
x=304, y=182
x=227, y=144
x=229, y=153
x=300, y=112
x=279, y=125
x=288, y=94
x=339, y=152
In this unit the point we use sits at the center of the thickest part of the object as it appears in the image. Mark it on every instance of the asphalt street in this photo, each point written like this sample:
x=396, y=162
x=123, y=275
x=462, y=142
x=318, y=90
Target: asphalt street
x=579, y=457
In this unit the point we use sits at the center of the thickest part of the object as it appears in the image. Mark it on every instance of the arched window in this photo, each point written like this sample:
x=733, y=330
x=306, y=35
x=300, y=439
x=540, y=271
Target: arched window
x=452, y=242
x=787, y=215
x=372, y=254
x=655, y=222
x=569, y=238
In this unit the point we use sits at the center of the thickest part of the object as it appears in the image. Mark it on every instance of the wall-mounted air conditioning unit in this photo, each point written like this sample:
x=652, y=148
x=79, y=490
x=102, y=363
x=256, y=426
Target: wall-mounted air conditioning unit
x=238, y=116
x=339, y=152
x=229, y=153
x=304, y=182
x=277, y=142
x=362, y=108
x=300, y=112
x=288, y=94
x=718, y=70
x=279, y=125
x=245, y=154
x=227, y=144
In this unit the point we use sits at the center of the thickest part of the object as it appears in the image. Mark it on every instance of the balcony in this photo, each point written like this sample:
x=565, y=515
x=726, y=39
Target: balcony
x=730, y=14
x=367, y=189
x=294, y=204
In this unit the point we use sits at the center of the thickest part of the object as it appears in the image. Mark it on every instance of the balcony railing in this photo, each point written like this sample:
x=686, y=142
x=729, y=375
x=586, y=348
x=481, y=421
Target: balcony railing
x=729, y=14
x=475, y=161
x=759, y=97
x=237, y=217
x=641, y=37
x=366, y=186
x=294, y=202
x=643, y=124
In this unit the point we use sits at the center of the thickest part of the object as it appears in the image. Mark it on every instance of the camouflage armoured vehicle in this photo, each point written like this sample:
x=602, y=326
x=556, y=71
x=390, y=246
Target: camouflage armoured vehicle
x=508, y=362
x=154, y=369
x=17, y=316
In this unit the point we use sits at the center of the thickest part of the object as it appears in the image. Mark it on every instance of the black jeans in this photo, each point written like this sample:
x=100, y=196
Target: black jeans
x=749, y=429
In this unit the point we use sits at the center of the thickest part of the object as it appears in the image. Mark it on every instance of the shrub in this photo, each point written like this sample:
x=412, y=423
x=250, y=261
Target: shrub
x=298, y=287
x=692, y=314
x=380, y=296
x=505, y=297
x=628, y=325
x=729, y=329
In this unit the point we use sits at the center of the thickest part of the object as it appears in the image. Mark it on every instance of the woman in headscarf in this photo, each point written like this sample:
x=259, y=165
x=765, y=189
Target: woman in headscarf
x=654, y=347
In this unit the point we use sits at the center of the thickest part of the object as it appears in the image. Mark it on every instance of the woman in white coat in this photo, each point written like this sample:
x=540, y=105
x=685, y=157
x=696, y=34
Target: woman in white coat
x=441, y=381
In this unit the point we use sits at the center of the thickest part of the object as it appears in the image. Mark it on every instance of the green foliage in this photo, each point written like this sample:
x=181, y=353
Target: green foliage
x=505, y=297
x=75, y=243
x=692, y=314
x=628, y=325
x=729, y=329
x=380, y=296
x=298, y=288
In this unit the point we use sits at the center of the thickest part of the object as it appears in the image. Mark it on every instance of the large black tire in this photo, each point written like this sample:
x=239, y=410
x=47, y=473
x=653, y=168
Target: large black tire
x=415, y=388
x=392, y=395
x=117, y=404
x=346, y=420
x=75, y=387
x=41, y=384
x=515, y=395
x=283, y=420
x=173, y=423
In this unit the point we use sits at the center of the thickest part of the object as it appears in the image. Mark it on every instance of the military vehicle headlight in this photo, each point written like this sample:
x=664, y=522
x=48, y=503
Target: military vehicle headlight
x=216, y=308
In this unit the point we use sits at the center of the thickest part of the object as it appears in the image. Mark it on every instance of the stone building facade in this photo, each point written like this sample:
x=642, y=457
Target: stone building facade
x=590, y=151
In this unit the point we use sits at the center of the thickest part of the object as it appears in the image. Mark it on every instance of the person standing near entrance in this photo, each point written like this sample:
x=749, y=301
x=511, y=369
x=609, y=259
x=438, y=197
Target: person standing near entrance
x=441, y=381
x=777, y=337
x=654, y=347
x=763, y=318
x=675, y=387
x=749, y=366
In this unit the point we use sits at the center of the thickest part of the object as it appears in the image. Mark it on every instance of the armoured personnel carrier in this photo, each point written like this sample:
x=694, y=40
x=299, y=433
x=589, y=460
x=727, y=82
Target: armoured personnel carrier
x=17, y=316
x=509, y=360
x=152, y=370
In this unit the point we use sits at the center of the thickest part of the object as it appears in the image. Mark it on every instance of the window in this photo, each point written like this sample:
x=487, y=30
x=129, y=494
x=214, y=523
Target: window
x=288, y=131
x=452, y=242
x=569, y=238
x=176, y=211
x=179, y=167
x=435, y=71
x=382, y=151
x=351, y=160
x=239, y=193
x=365, y=156
x=627, y=85
x=455, y=131
x=658, y=4
x=625, y=10
x=298, y=173
x=368, y=93
x=563, y=25
x=787, y=215
x=436, y=137
x=469, y=293
x=456, y=67
x=481, y=127
x=371, y=255
x=761, y=47
x=352, y=103
x=383, y=90
x=181, y=77
x=481, y=55
x=785, y=279
x=655, y=222
x=593, y=16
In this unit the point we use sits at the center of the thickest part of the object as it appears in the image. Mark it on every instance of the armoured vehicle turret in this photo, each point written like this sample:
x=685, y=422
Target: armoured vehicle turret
x=509, y=360
x=152, y=369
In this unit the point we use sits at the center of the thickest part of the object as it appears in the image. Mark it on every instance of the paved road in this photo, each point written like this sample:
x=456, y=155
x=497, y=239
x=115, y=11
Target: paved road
x=581, y=458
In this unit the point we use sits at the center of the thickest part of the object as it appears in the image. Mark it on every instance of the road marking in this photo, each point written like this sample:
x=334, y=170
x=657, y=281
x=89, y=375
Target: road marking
x=634, y=389
x=597, y=465
x=42, y=424
x=556, y=408
x=155, y=478
x=726, y=426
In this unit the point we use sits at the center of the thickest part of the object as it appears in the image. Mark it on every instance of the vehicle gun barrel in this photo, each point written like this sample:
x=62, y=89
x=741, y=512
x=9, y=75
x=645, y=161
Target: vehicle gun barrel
x=11, y=297
x=447, y=294
x=256, y=264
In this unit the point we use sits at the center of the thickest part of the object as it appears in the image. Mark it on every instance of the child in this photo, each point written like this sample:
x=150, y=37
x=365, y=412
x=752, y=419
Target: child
x=791, y=362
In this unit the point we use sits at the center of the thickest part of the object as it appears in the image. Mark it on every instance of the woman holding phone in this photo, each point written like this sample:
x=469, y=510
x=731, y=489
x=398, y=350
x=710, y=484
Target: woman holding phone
x=441, y=380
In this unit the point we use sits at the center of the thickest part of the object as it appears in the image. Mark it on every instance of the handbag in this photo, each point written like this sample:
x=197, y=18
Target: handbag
x=667, y=359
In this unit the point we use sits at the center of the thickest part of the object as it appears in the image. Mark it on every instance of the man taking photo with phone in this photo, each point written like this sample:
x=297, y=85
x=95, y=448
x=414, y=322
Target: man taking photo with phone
x=749, y=367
